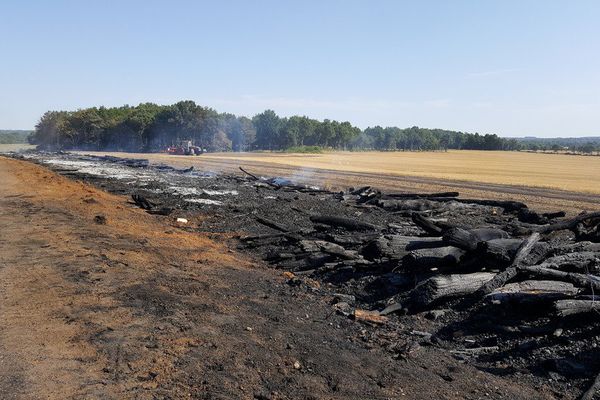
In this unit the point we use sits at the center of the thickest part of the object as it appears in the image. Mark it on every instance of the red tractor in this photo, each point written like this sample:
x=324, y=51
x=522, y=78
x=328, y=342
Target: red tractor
x=185, y=148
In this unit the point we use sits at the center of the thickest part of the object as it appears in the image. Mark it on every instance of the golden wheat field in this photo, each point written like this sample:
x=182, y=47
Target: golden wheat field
x=559, y=171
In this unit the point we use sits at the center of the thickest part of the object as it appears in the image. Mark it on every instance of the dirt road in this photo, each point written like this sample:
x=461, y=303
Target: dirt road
x=138, y=308
x=538, y=198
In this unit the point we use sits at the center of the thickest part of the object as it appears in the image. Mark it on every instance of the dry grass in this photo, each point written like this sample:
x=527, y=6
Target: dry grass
x=557, y=171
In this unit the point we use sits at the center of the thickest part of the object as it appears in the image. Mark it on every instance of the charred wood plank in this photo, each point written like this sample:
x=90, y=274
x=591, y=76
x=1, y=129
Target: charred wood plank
x=142, y=202
x=355, y=239
x=433, y=258
x=256, y=178
x=581, y=261
x=469, y=239
x=552, y=215
x=564, y=308
x=395, y=247
x=591, y=392
x=408, y=204
x=311, y=246
x=502, y=250
x=343, y=222
x=427, y=225
x=533, y=290
x=570, y=224
x=271, y=224
x=421, y=195
x=447, y=286
x=500, y=279
x=581, y=280
x=575, y=247
x=507, y=205
x=360, y=190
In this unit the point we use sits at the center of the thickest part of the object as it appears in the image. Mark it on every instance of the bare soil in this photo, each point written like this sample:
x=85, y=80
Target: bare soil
x=133, y=306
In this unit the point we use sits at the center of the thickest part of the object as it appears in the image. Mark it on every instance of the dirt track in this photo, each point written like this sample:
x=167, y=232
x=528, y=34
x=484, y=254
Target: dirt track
x=541, y=199
x=139, y=308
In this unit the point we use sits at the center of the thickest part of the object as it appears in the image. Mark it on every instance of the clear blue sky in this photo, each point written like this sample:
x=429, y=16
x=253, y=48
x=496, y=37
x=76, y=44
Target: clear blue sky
x=508, y=67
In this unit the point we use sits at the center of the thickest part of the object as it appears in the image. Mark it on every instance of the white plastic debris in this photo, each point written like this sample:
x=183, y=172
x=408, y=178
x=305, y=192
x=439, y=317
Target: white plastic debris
x=182, y=220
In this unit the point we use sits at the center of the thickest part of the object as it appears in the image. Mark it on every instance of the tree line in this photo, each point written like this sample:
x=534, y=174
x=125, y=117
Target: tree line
x=14, y=136
x=150, y=127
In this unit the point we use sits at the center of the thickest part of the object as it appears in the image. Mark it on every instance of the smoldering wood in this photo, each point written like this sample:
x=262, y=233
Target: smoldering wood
x=395, y=247
x=565, y=308
x=343, y=222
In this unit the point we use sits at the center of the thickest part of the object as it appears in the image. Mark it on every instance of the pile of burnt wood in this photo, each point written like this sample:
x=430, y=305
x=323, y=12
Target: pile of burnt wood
x=518, y=257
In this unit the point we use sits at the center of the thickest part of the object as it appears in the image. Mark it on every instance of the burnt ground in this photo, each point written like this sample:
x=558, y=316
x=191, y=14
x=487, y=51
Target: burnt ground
x=134, y=305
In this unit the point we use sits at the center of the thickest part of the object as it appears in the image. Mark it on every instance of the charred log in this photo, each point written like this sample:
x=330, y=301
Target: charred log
x=433, y=258
x=395, y=247
x=342, y=222
x=447, y=286
x=469, y=239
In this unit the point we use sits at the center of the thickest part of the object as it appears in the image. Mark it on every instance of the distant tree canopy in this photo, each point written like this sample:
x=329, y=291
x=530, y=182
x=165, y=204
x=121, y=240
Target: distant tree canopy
x=585, y=145
x=152, y=127
x=14, y=136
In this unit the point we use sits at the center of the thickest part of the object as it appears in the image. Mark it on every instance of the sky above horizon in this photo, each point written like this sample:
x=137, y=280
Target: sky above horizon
x=514, y=68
